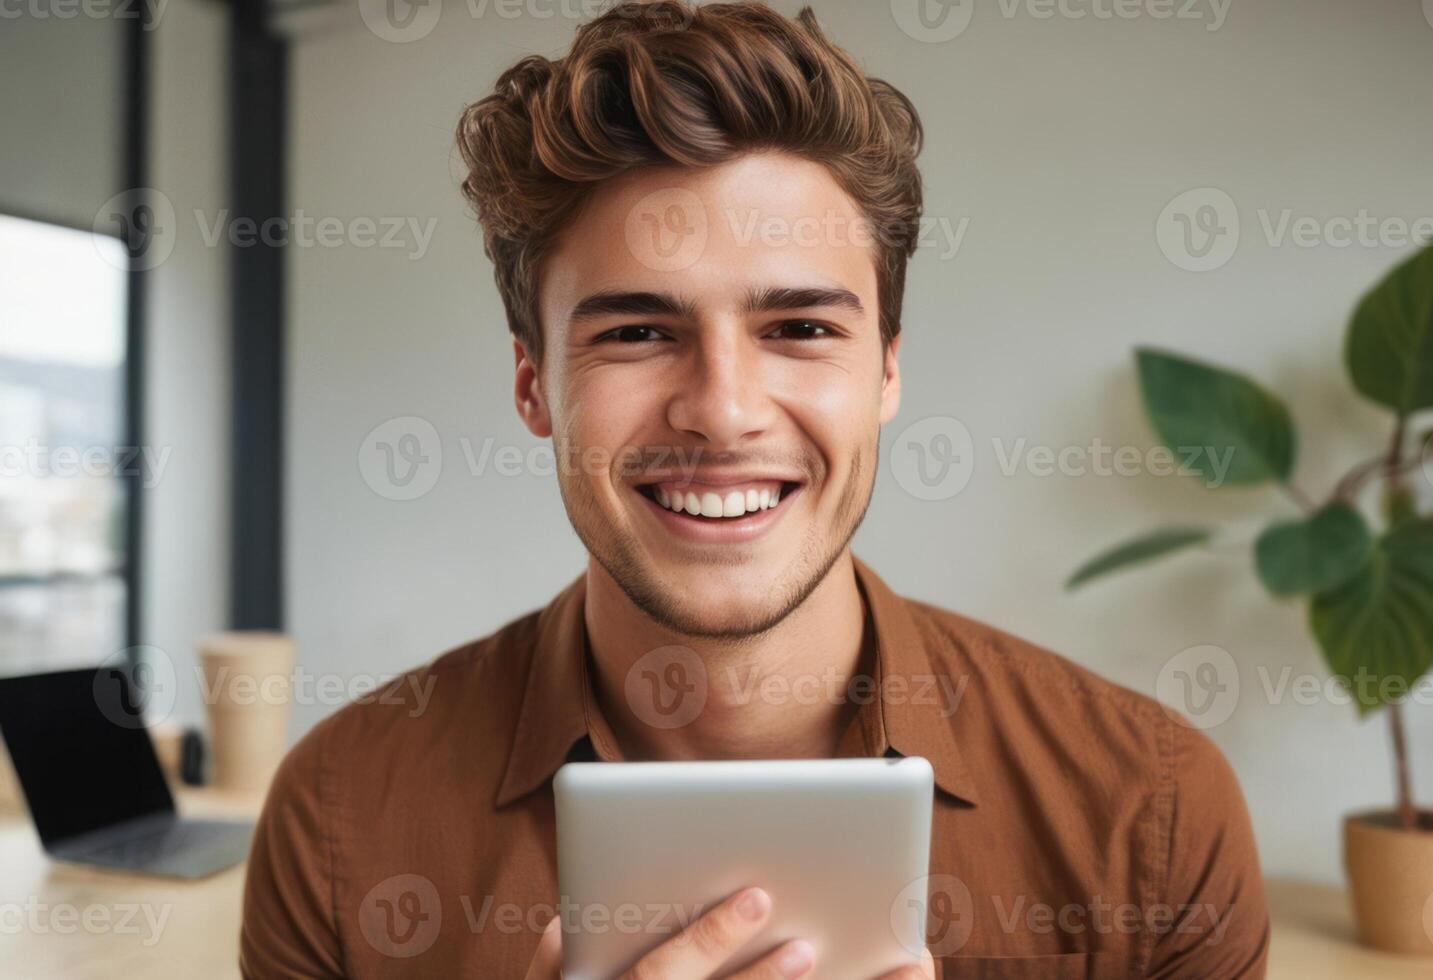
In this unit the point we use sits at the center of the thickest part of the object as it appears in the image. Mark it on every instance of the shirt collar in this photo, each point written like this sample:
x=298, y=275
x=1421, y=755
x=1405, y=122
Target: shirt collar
x=916, y=701
x=909, y=710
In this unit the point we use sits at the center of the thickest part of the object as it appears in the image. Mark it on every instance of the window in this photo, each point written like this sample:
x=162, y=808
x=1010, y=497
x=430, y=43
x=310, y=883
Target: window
x=63, y=552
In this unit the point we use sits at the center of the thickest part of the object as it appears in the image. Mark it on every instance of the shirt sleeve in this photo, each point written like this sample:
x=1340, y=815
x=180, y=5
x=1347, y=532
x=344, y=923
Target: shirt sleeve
x=1212, y=920
x=289, y=929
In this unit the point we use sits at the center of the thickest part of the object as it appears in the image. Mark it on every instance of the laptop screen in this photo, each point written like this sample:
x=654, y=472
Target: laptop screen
x=81, y=750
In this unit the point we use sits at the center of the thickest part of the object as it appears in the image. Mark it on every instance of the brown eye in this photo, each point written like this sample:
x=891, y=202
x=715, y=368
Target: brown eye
x=633, y=334
x=801, y=330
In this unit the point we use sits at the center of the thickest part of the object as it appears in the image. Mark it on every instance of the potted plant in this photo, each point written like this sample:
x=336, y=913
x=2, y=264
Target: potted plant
x=1369, y=589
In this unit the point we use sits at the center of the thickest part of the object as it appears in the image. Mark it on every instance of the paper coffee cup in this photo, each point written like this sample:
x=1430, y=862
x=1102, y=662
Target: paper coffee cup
x=248, y=678
x=166, y=738
x=10, y=796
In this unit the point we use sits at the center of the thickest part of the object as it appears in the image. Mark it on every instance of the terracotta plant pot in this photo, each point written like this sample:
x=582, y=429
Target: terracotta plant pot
x=1390, y=872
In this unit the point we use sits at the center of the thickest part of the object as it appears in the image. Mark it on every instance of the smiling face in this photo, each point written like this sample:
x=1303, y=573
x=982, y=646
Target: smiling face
x=714, y=381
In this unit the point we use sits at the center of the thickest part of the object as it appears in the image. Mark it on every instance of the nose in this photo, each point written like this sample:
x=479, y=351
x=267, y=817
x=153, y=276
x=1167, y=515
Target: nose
x=721, y=396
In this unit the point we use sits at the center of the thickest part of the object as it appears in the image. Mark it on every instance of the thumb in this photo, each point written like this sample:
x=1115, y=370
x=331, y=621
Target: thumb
x=547, y=961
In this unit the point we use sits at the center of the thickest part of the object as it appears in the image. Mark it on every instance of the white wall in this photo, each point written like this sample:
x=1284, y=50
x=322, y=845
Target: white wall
x=1061, y=140
x=187, y=415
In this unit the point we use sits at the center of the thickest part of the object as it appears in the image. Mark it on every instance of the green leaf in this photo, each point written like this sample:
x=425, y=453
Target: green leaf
x=1219, y=424
x=1389, y=348
x=1376, y=630
x=1141, y=549
x=1399, y=504
x=1317, y=553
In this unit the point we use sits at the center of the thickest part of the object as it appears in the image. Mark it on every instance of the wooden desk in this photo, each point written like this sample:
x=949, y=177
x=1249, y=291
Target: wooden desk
x=1313, y=930
x=137, y=926
x=1314, y=939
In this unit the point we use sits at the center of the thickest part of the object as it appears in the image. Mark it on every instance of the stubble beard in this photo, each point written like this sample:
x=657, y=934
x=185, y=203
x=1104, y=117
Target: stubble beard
x=617, y=555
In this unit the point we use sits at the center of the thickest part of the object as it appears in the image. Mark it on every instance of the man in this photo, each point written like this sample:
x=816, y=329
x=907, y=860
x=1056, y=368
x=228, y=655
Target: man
x=700, y=220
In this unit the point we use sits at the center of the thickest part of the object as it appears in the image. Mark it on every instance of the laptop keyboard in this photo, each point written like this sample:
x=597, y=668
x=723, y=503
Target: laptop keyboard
x=147, y=846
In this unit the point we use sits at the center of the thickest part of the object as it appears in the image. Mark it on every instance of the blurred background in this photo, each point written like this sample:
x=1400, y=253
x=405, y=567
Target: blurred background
x=231, y=236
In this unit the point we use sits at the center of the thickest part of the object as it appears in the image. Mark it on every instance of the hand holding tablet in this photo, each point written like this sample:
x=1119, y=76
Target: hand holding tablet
x=703, y=949
x=746, y=869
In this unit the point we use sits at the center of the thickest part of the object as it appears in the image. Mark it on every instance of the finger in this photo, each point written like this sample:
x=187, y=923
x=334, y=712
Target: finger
x=547, y=961
x=793, y=959
x=699, y=950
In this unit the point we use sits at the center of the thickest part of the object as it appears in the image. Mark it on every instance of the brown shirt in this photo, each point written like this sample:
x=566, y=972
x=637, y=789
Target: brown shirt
x=1079, y=829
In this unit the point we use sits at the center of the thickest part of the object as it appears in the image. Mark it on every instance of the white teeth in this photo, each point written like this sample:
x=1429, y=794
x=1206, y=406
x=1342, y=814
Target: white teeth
x=734, y=503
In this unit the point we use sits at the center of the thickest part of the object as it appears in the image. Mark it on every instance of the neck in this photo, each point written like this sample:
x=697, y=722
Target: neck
x=777, y=695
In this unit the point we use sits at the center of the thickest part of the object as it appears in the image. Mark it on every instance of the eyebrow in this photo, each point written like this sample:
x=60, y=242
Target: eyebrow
x=610, y=302
x=771, y=299
x=764, y=300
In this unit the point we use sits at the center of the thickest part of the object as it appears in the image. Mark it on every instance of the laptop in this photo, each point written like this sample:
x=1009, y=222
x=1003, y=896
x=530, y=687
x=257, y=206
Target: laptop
x=92, y=781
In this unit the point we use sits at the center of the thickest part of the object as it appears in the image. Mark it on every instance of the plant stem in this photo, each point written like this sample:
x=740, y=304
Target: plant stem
x=1354, y=480
x=1389, y=464
x=1305, y=503
x=1407, y=816
x=1395, y=452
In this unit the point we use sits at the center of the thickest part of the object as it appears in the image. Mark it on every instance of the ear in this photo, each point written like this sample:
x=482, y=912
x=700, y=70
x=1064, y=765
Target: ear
x=891, y=381
x=527, y=393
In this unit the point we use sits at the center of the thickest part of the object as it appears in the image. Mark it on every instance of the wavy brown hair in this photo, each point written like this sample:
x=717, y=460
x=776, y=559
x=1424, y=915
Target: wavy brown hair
x=653, y=82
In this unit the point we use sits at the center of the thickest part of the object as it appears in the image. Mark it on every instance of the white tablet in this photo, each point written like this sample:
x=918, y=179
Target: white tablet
x=841, y=845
